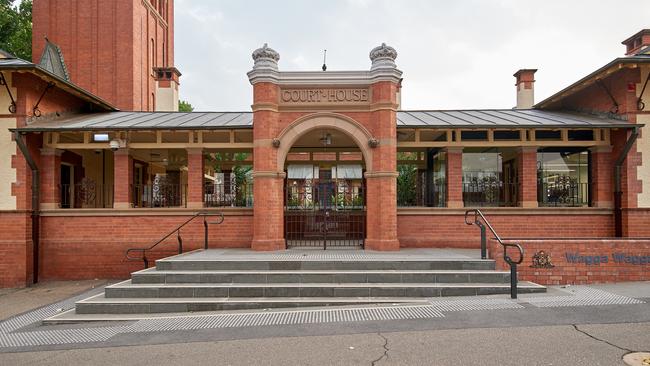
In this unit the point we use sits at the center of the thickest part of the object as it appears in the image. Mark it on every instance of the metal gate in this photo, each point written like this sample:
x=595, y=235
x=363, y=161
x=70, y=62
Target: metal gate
x=325, y=213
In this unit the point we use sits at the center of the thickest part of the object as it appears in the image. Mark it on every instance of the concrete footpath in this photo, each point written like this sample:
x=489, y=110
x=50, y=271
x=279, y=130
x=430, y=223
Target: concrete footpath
x=19, y=300
x=577, y=325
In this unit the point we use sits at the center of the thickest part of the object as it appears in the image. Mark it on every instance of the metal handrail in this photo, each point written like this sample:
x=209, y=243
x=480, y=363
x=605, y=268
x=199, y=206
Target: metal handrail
x=482, y=223
x=177, y=230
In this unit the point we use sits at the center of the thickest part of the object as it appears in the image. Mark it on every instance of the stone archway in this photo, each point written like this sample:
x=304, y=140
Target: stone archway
x=357, y=132
x=325, y=202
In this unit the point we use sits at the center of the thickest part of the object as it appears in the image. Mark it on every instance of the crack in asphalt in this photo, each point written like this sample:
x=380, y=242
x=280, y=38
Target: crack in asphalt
x=627, y=350
x=385, y=345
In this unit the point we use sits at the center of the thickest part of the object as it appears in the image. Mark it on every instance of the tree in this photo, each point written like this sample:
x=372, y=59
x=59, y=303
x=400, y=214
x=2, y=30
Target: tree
x=183, y=106
x=16, y=28
x=407, y=179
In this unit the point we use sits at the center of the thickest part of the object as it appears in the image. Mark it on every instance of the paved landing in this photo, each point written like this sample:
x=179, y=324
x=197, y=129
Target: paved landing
x=330, y=254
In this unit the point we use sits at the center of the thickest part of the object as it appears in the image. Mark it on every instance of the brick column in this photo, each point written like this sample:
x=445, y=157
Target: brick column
x=50, y=170
x=195, y=164
x=268, y=177
x=454, y=176
x=527, y=179
x=602, y=181
x=122, y=179
x=381, y=182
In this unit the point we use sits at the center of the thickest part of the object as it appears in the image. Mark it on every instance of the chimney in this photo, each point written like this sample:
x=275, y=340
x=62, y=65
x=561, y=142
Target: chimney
x=167, y=81
x=637, y=42
x=525, y=88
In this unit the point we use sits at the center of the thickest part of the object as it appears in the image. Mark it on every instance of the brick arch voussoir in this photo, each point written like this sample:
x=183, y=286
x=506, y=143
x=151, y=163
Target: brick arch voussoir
x=298, y=128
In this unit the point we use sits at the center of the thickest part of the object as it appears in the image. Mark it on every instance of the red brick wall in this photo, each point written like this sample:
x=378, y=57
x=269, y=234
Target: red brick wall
x=86, y=247
x=637, y=222
x=15, y=249
x=595, y=99
x=100, y=40
x=449, y=230
x=565, y=272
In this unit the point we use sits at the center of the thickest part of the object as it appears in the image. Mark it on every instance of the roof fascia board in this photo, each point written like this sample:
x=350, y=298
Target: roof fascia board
x=613, y=66
x=67, y=86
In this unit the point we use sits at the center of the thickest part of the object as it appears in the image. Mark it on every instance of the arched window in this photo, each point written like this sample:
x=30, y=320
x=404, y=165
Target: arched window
x=153, y=56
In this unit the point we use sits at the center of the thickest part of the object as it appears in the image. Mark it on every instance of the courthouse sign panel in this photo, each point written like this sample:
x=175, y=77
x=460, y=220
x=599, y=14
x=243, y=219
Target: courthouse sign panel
x=320, y=96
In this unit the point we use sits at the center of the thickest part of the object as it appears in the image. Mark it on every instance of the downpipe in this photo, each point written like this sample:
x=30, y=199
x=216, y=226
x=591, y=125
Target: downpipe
x=618, y=192
x=36, y=188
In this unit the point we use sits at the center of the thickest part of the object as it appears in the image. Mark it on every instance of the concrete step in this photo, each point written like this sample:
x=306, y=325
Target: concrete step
x=154, y=275
x=292, y=265
x=127, y=289
x=100, y=304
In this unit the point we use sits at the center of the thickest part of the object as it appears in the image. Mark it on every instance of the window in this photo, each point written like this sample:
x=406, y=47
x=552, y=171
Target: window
x=563, y=177
x=501, y=135
x=473, y=135
x=153, y=56
x=489, y=177
x=421, y=179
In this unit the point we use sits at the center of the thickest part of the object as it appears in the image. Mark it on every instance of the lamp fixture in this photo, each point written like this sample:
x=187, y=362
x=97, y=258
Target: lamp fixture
x=326, y=140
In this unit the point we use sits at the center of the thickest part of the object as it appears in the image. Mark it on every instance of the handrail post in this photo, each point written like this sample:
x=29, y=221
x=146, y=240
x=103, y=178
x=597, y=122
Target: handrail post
x=178, y=235
x=483, y=224
x=205, y=233
x=483, y=240
x=513, y=280
x=180, y=241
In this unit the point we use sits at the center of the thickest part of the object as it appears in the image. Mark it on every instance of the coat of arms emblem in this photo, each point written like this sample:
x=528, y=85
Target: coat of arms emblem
x=542, y=259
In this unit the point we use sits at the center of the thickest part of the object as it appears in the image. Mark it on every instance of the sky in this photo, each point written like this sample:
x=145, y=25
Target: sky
x=455, y=54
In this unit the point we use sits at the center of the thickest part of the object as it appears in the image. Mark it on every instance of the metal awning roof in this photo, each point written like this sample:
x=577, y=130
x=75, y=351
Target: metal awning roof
x=123, y=121
x=504, y=118
x=484, y=118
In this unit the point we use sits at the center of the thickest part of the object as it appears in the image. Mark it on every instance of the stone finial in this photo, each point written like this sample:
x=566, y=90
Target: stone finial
x=383, y=57
x=265, y=57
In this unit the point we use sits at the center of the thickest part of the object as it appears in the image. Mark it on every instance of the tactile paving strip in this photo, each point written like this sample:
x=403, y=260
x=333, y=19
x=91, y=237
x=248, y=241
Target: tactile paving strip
x=287, y=318
x=9, y=338
x=319, y=255
x=581, y=296
x=11, y=335
x=469, y=304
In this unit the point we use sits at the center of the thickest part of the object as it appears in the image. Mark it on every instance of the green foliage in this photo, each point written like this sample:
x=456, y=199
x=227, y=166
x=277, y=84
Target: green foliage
x=407, y=179
x=16, y=28
x=406, y=184
x=240, y=170
x=184, y=106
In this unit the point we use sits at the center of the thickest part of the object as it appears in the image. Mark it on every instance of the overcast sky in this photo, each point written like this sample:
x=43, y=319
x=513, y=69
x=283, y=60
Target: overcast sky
x=454, y=54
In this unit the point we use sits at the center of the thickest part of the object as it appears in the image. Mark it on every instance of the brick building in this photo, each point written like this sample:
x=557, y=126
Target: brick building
x=323, y=159
x=121, y=51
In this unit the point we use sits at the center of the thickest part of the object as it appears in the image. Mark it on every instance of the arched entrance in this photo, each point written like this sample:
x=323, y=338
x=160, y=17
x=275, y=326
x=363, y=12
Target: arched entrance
x=324, y=196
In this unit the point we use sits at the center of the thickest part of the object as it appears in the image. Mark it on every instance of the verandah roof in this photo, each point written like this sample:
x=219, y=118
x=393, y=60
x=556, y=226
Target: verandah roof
x=470, y=119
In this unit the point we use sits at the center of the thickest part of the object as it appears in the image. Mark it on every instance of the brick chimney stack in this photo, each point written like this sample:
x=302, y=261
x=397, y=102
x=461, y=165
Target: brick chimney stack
x=637, y=42
x=525, y=88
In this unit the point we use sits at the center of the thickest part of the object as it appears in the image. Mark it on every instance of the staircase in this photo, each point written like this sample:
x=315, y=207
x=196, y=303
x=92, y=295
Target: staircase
x=228, y=279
